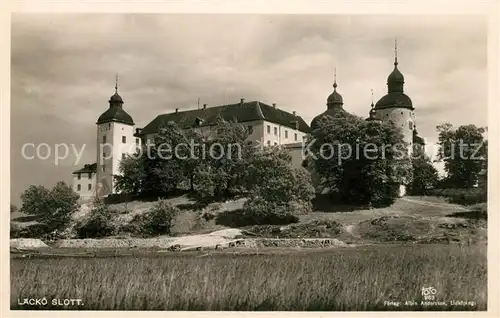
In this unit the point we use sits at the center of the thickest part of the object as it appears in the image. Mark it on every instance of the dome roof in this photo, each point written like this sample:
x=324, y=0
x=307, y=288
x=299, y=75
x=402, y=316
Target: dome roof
x=116, y=98
x=115, y=112
x=399, y=100
x=334, y=98
x=396, y=77
x=333, y=112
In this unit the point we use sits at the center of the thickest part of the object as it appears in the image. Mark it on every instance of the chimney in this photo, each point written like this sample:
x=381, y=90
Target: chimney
x=204, y=106
x=176, y=110
x=294, y=113
x=274, y=105
x=242, y=101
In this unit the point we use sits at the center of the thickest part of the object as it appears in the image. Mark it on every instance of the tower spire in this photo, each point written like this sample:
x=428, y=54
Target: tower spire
x=334, y=78
x=395, y=52
x=116, y=83
x=372, y=98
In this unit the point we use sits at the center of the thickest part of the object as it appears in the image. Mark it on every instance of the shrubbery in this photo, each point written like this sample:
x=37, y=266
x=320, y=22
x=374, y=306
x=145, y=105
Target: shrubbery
x=260, y=211
x=279, y=192
x=157, y=221
x=462, y=196
x=98, y=223
x=52, y=207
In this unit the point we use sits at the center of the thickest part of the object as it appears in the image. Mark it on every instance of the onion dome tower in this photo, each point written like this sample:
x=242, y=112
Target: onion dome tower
x=334, y=104
x=115, y=112
x=115, y=140
x=395, y=97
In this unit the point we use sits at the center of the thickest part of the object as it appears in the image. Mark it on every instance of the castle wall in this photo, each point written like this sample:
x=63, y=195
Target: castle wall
x=114, y=140
x=84, y=184
x=402, y=118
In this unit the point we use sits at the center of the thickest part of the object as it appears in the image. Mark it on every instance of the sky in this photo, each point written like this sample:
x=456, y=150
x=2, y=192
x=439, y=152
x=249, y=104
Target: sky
x=63, y=69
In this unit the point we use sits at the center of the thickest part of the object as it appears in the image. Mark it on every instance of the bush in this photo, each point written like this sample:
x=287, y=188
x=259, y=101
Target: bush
x=38, y=230
x=98, y=224
x=157, y=221
x=462, y=196
x=52, y=207
x=468, y=196
x=259, y=211
x=15, y=230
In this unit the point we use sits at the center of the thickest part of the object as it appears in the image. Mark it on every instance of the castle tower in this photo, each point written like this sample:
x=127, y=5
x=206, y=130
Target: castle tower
x=115, y=139
x=396, y=106
x=334, y=105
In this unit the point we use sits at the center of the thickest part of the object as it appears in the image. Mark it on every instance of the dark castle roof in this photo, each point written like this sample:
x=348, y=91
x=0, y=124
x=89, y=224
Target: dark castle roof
x=241, y=112
x=333, y=112
x=395, y=92
x=90, y=168
x=115, y=112
x=334, y=104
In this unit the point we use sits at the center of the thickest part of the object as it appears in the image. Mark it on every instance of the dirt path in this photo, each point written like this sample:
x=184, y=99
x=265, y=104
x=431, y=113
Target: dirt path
x=436, y=205
x=351, y=229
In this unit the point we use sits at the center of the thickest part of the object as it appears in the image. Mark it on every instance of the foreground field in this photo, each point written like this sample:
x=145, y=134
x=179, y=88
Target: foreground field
x=363, y=278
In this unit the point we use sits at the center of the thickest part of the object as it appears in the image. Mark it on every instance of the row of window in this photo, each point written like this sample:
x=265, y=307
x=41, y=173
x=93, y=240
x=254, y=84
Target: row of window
x=79, y=187
x=79, y=175
x=276, y=132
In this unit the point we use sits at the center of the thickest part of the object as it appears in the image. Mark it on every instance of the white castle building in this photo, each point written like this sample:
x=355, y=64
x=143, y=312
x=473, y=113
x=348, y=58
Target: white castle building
x=268, y=125
x=118, y=136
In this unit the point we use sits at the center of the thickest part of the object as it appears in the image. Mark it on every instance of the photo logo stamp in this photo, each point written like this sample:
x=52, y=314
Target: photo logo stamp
x=428, y=293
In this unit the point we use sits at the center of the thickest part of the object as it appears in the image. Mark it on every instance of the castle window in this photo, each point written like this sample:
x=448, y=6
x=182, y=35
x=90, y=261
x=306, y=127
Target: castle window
x=410, y=125
x=79, y=176
x=401, y=113
x=124, y=139
x=109, y=125
x=90, y=187
x=295, y=137
x=268, y=129
x=286, y=133
x=123, y=156
x=250, y=129
x=276, y=131
x=78, y=187
x=103, y=139
x=103, y=168
x=137, y=140
x=90, y=175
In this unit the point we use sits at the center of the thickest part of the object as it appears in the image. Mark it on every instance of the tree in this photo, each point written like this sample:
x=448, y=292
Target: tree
x=225, y=159
x=133, y=175
x=98, y=223
x=52, y=208
x=171, y=151
x=278, y=191
x=157, y=168
x=361, y=162
x=425, y=176
x=464, y=152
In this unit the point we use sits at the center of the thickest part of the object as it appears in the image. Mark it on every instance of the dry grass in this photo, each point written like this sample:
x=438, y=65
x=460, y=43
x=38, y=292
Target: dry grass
x=342, y=279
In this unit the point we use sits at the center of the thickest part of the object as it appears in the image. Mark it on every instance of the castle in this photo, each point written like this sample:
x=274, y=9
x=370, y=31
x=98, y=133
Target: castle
x=268, y=125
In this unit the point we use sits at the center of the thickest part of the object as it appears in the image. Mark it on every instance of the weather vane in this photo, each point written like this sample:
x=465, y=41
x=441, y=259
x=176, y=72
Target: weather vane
x=116, y=83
